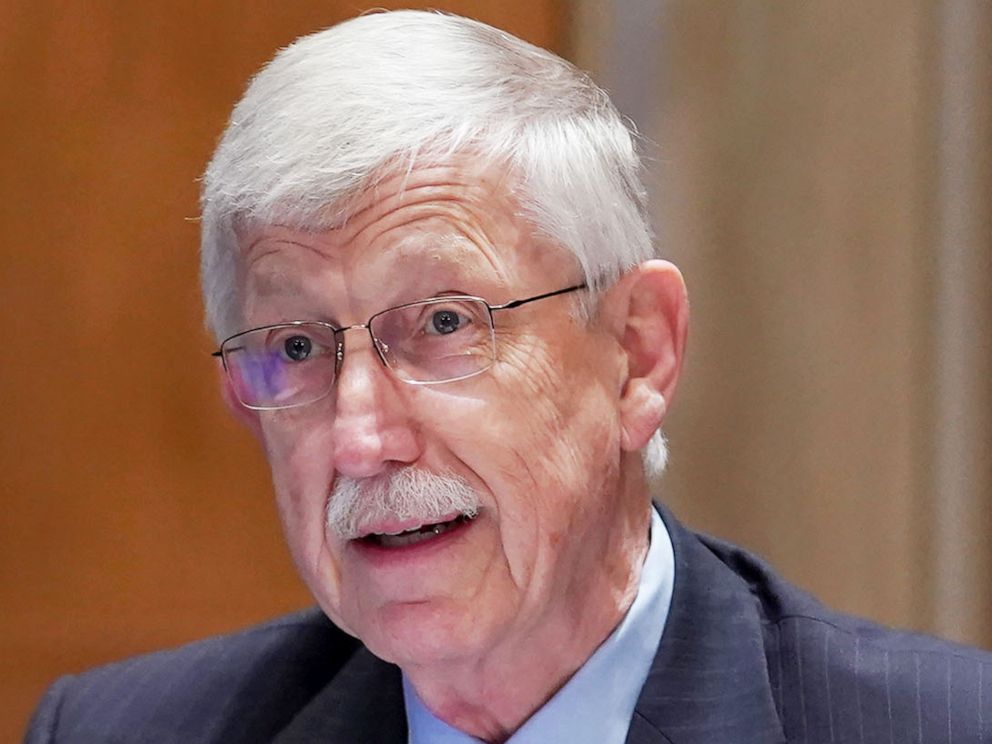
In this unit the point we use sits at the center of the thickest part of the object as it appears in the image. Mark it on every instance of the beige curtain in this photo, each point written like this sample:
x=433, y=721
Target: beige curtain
x=822, y=172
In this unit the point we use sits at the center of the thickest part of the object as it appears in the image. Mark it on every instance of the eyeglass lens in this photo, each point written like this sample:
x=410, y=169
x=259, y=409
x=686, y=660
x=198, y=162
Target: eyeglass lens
x=438, y=340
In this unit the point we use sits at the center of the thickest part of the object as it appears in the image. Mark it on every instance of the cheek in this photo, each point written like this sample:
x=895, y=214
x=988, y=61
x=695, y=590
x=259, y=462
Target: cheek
x=564, y=415
x=536, y=437
x=567, y=430
x=301, y=475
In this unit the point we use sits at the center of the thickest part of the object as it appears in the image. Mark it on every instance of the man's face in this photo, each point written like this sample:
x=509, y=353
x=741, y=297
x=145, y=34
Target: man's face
x=536, y=436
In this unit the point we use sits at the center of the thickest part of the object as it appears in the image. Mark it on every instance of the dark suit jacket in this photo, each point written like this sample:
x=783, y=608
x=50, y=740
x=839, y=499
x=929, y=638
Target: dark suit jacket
x=745, y=659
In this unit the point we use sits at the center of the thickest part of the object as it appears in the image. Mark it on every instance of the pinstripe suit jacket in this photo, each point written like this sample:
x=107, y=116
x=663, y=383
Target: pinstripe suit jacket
x=745, y=658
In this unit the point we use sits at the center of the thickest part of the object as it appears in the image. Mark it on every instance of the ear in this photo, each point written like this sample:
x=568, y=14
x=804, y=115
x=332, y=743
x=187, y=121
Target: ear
x=246, y=416
x=652, y=320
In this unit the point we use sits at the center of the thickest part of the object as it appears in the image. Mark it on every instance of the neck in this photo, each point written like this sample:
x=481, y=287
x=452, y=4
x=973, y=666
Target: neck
x=491, y=697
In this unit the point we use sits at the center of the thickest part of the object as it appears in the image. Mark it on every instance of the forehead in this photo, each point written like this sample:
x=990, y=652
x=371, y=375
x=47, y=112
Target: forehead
x=452, y=227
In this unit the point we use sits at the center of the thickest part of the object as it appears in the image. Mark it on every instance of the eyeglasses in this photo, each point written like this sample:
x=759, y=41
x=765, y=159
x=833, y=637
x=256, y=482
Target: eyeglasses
x=440, y=339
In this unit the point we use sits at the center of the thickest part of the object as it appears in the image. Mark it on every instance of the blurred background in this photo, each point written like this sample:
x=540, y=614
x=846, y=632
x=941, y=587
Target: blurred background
x=821, y=171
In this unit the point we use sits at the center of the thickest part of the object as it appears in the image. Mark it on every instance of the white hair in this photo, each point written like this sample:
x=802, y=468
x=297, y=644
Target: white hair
x=406, y=494
x=338, y=109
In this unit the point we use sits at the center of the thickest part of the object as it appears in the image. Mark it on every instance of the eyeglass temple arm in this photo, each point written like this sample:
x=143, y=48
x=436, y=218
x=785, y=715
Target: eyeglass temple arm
x=220, y=353
x=517, y=303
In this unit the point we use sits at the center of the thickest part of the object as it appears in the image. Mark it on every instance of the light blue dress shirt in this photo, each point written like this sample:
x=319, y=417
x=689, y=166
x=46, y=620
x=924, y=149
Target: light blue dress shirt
x=595, y=706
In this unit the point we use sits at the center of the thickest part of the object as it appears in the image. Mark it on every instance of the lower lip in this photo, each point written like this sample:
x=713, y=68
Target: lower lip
x=380, y=554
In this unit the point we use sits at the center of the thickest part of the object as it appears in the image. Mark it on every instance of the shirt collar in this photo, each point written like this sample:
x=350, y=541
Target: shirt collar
x=597, y=703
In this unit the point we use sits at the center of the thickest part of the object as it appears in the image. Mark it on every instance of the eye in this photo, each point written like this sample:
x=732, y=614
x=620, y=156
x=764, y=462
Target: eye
x=297, y=348
x=443, y=322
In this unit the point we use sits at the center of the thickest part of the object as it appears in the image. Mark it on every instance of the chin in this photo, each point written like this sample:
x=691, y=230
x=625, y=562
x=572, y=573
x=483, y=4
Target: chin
x=425, y=633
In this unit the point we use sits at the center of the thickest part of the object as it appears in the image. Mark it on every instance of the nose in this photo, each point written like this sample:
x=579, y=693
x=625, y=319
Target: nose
x=373, y=426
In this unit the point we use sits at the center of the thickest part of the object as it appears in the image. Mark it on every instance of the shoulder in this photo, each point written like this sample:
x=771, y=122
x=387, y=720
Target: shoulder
x=831, y=672
x=238, y=687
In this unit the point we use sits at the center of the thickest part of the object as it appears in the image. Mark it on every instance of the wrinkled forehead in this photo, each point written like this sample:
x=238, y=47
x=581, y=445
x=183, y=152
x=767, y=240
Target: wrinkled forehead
x=440, y=227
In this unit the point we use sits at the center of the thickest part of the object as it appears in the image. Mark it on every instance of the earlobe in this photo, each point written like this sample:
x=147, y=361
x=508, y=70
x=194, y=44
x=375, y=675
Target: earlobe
x=653, y=338
x=642, y=411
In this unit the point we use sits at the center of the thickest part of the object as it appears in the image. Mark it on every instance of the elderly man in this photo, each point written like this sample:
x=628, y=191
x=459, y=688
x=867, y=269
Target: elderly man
x=426, y=259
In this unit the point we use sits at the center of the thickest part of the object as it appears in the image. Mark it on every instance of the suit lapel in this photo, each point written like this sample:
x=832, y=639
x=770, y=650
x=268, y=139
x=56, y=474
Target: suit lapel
x=709, y=682
x=363, y=704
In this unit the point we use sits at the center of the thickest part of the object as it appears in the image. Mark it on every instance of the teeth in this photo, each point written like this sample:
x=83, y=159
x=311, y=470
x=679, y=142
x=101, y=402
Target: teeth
x=411, y=537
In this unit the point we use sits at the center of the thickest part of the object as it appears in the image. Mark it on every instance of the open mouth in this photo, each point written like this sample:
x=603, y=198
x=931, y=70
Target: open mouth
x=416, y=535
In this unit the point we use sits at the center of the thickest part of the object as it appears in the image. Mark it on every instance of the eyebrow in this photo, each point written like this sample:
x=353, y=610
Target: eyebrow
x=419, y=247
x=427, y=266
x=274, y=283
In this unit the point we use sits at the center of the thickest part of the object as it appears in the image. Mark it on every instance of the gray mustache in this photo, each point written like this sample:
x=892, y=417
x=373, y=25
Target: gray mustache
x=402, y=493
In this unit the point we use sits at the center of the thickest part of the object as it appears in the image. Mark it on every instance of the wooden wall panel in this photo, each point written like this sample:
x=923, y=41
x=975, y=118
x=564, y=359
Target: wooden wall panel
x=135, y=514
